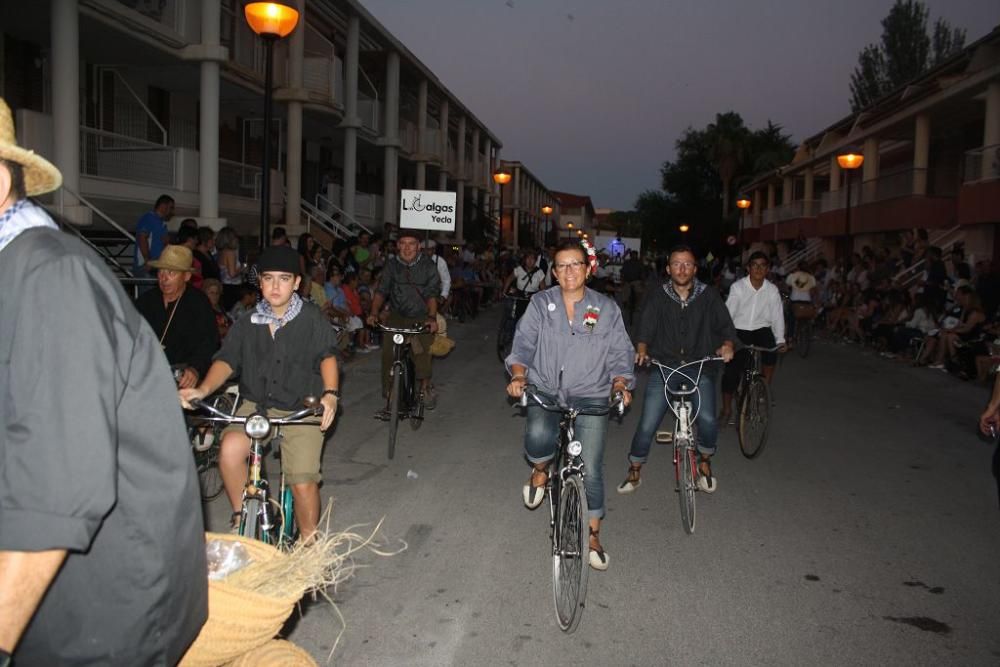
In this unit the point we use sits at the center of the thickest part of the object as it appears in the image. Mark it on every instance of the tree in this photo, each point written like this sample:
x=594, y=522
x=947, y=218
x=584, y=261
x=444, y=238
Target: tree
x=904, y=52
x=728, y=138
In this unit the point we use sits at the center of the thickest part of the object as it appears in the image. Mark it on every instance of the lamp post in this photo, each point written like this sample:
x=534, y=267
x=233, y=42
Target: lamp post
x=272, y=21
x=569, y=230
x=501, y=178
x=849, y=161
x=743, y=203
x=546, y=211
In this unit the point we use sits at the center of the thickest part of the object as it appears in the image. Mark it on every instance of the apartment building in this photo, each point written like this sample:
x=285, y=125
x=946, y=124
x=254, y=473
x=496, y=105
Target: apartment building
x=577, y=215
x=931, y=160
x=530, y=210
x=136, y=98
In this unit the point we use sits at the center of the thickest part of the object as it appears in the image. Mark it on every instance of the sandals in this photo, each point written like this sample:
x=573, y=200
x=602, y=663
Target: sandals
x=534, y=494
x=598, y=557
x=632, y=480
x=706, y=481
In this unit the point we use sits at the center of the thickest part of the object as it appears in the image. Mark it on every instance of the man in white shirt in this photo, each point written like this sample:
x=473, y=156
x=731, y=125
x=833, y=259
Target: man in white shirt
x=754, y=303
x=526, y=278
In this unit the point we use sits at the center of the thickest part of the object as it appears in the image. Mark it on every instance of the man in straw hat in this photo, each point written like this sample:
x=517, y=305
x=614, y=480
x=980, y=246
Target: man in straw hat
x=102, y=558
x=181, y=316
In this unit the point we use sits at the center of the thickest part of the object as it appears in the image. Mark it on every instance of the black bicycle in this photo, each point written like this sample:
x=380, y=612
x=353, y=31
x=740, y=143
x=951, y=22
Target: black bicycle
x=514, y=304
x=753, y=402
x=568, y=511
x=405, y=400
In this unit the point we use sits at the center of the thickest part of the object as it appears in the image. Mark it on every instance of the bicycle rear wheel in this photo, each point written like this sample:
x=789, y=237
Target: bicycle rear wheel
x=684, y=454
x=570, y=554
x=209, y=479
x=755, y=413
x=803, y=336
x=394, y=399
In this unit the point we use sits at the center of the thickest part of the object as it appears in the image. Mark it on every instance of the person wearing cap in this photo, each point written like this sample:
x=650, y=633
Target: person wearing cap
x=100, y=560
x=411, y=285
x=283, y=352
x=181, y=316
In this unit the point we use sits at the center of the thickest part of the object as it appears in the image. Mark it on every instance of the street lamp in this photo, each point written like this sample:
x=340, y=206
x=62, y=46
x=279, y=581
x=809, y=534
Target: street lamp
x=569, y=230
x=684, y=229
x=272, y=21
x=546, y=211
x=502, y=178
x=743, y=203
x=849, y=161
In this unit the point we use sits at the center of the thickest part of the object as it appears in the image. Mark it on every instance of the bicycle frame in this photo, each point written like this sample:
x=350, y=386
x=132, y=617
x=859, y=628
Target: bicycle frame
x=258, y=427
x=400, y=353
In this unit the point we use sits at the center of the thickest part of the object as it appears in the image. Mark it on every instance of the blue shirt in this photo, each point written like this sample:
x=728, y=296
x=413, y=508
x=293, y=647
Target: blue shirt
x=336, y=296
x=155, y=227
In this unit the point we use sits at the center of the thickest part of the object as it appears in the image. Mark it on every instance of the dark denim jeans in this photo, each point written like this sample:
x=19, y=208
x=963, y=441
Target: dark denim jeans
x=542, y=430
x=654, y=408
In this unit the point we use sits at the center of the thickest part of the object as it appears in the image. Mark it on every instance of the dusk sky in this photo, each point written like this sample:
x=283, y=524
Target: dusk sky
x=592, y=94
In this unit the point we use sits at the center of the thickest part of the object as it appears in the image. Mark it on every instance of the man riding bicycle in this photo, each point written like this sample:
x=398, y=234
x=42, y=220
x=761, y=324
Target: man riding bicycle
x=802, y=296
x=527, y=278
x=755, y=305
x=411, y=284
x=685, y=320
x=283, y=351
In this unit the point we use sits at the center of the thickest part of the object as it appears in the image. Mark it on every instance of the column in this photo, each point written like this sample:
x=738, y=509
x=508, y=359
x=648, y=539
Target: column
x=515, y=209
x=770, y=195
x=869, y=170
x=443, y=145
x=991, y=129
x=787, y=190
x=208, y=120
x=66, y=103
x=421, y=131
x=351, y=122
x=757, y=209
x=921, y=153
x=458, y=173
x=293, y=162
x=390, y=165
x=808, y=207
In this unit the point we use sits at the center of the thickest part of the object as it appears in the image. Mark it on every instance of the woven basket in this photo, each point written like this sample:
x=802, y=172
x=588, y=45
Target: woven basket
x=238, y=620
x=275, y=653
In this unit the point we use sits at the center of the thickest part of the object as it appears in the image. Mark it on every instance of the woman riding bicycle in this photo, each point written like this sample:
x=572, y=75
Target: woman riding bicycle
x=572, y=346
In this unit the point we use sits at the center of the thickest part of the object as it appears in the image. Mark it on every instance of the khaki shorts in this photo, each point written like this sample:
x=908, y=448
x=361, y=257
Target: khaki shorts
x=301, y=446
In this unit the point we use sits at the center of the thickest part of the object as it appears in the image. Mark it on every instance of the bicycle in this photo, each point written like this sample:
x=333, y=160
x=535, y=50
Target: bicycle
x=405, y=400
x=684, y=436
x=568, y=511
x=513, y=308
x=261, y=516
x=753, y=403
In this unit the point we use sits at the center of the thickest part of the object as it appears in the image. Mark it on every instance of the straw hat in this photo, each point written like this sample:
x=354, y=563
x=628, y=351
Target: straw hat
x=175, y=258
x=40, y=175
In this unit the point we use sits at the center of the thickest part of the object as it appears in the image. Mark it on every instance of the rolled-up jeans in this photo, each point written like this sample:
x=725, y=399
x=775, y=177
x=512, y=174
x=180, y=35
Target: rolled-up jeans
x=654, y=408
x=542, y=431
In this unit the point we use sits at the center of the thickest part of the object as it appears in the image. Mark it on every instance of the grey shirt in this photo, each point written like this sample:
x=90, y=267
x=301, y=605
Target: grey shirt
x=408, y=286
x=94, y=459
x=587, y=358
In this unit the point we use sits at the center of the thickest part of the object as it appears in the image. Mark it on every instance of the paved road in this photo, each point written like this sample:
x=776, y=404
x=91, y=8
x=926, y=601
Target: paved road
x=868, y=532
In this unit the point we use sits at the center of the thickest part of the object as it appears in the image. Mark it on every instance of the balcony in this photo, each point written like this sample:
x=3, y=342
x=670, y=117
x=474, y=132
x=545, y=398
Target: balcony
x=115, y=156
x=238, y=179
x=982, y=164
x=790, y=211
x=369, y=111
x=323, y=79
x=408, y=136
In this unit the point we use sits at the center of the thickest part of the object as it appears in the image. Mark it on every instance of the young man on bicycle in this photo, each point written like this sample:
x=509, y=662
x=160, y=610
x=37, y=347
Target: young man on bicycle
x=758, y=314
x=685, y=320
x=802, y=296
x=411, y=284
x=527, y=278
x=283, y=351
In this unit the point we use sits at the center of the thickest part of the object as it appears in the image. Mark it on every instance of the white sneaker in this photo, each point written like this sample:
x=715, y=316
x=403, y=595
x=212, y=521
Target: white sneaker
x=707, y=484
x=599, y=560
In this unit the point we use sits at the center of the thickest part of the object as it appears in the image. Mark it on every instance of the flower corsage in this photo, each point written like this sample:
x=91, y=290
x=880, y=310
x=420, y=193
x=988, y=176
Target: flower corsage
x=591, y=316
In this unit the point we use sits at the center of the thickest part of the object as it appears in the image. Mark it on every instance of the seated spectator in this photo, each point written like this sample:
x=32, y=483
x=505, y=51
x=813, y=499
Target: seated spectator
x=923, y=320
x=337, y=308
x=942, y=348
x=204, y=253
x=187, y=236
x=246, y=302
x=349, y=287
x=213, y=291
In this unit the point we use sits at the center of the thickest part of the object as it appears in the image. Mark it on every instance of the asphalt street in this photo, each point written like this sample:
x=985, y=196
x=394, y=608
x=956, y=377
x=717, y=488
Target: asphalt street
x=868, y=532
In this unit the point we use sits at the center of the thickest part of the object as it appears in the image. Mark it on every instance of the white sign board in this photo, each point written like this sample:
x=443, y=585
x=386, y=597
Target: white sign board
x=428, y=209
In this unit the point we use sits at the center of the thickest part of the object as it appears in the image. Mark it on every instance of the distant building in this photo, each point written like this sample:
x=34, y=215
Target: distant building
x=524, y=222
x=577, y=214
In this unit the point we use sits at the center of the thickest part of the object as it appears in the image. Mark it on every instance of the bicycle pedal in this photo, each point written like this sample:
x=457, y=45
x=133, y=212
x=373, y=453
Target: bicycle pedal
x=664, y=437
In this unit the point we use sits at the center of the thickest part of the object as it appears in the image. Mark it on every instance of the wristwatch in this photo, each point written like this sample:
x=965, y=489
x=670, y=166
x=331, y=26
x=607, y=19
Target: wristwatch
x=334, y=392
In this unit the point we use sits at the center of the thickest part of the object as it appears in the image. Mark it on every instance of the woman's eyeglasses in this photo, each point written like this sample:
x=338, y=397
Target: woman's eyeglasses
x=569, y=265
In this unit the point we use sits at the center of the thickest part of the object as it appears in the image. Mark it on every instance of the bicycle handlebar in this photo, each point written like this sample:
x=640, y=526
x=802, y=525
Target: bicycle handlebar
x=294, y=418
x=758, y=348
x=668, y=372
x=617, y=401
x=413, y=331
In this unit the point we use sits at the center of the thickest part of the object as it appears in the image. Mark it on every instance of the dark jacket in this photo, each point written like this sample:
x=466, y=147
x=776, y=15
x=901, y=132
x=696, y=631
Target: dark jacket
x=191, y=337
x=677, y=332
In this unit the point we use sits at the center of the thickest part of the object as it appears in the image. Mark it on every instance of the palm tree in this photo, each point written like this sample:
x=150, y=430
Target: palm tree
x=728, y=138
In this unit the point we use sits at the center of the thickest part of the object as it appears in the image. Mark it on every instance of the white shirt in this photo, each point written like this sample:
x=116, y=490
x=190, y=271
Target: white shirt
x=528, y=285
x=444, y=273
x=802, y=284
x=753, y=309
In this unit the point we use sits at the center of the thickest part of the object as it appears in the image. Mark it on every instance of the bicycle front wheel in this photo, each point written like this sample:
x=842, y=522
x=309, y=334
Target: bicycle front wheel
x=288, y=527
x=209, y=479
x=394, y=399
x=755, y=413
x=685, y=454
x=570, y=554
x=250, y=521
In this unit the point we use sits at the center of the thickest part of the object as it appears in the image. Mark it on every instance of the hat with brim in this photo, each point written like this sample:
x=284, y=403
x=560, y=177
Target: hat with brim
x=175, y=258
x=280, y=259
x=40, y=175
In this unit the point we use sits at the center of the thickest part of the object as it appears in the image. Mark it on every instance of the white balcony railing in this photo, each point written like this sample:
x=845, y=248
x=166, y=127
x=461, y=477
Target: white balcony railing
x=109, y=155
x=982, y=164
x=408, y=136
x=241, y=180
x=369, y=111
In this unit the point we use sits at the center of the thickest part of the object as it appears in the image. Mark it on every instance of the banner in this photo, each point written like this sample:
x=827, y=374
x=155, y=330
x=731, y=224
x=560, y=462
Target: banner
x=428, y=209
